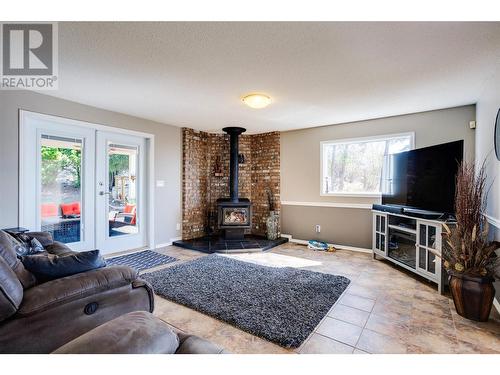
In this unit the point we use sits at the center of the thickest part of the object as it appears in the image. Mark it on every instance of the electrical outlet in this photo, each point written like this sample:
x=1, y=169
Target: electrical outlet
x=318, y=228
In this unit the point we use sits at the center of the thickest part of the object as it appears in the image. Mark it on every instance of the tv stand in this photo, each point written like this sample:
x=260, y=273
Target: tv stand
x=413, y=243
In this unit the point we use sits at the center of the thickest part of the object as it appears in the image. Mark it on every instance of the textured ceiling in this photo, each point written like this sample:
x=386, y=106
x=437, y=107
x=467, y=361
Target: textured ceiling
x=193, y=74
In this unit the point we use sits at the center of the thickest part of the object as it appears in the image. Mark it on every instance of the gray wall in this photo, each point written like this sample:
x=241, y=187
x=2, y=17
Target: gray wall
x=300, y=170
x=167, y=154
x=487, y=108
x=343, y=226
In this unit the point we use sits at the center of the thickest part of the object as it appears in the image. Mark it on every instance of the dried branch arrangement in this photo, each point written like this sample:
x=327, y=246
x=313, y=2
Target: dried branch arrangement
x=466, y=248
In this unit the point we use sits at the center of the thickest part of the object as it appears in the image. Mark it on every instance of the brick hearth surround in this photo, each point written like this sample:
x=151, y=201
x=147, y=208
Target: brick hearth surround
x=201, y=188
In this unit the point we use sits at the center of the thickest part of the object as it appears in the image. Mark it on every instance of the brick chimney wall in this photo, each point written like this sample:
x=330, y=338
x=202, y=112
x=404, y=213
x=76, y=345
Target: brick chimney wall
x=201, y=187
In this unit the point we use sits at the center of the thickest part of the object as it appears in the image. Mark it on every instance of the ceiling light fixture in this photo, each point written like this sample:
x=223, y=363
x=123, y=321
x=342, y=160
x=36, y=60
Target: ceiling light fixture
x=256, y=101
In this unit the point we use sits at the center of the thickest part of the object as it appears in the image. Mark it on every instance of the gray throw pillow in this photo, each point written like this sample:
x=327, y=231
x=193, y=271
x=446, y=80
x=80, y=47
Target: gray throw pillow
x=49, y=266
x=27, y=245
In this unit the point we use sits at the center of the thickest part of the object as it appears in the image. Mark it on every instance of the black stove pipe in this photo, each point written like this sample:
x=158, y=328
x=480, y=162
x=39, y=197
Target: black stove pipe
x=234, y=133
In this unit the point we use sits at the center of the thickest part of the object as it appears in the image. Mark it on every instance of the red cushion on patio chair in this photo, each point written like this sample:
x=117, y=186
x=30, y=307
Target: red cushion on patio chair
x=71, y=209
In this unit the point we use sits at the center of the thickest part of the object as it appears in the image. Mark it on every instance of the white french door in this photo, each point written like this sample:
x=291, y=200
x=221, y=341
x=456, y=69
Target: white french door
x=57, y=180
x=84, y=185
x=121, y=217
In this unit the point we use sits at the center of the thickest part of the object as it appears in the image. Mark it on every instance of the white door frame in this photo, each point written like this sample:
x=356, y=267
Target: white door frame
x=24, y=119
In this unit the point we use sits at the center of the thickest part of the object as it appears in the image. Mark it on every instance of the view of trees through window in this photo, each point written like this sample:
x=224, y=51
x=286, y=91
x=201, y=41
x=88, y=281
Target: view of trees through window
x=356, y=166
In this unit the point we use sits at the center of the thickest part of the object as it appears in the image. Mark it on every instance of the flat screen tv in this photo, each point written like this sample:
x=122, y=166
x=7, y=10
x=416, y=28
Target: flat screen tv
x=423, y=178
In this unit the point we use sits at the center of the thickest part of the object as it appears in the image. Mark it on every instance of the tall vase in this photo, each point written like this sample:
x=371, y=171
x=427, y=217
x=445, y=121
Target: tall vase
x=272, y=224
x=472, y=295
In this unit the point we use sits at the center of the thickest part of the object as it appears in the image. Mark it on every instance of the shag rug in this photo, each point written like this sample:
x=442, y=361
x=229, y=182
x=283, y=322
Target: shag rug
x=282, y=305
x=141, y=260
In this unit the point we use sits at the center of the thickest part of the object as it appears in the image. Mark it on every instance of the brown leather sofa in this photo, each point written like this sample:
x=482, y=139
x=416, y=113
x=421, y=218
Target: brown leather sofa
x=138, y=333
x=41, y=317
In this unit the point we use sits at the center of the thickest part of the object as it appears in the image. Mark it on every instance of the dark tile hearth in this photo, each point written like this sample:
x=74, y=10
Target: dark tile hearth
x=216, y=244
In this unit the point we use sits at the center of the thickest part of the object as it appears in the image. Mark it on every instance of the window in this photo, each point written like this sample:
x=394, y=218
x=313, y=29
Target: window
x=354, y=166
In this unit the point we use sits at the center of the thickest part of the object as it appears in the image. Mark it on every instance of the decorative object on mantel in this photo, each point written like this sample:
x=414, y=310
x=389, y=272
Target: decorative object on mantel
x=497, y=135
x=272, y=222
x=218, y=168
x=469, y=257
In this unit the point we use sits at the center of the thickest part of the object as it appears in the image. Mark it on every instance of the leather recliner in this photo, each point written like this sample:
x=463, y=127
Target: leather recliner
x=41, y=317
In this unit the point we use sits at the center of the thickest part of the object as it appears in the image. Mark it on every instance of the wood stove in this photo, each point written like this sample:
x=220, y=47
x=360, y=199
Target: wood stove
x=234, y=214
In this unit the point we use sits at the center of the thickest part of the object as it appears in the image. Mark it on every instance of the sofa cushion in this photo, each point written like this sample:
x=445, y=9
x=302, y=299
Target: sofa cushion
x=137, y=332
x=58, y=248
x=66, y=289
x=11, y=291
x=49, y=266
x=8, y=246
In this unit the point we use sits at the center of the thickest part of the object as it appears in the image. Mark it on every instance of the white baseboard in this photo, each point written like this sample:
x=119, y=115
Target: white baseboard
x=496, y=304
x=342, y=247
x=165, y=244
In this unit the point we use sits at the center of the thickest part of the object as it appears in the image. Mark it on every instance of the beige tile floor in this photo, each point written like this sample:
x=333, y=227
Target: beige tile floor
x=384, y=310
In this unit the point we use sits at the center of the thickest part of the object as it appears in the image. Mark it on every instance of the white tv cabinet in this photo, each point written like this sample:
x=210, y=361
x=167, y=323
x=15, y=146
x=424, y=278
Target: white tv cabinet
x=411, y=243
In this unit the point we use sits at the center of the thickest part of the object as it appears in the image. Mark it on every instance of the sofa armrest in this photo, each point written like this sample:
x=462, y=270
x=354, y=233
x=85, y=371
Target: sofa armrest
x=59, y=291
x=190, y=344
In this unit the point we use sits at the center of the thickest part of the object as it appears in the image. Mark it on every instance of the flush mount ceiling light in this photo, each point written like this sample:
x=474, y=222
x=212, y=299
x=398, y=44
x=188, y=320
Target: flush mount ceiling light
x=256, y=101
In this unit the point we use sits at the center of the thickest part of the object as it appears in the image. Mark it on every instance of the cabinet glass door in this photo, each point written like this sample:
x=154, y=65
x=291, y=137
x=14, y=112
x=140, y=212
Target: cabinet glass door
x=380, y=234
x=427, y=246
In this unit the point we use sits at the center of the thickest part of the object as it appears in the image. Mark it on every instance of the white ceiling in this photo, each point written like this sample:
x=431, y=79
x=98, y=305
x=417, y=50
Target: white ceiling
x=193, y=74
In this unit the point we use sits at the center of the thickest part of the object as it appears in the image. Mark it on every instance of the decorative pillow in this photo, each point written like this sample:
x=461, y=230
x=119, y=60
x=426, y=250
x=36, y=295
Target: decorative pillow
x=36, y=246
x=49, y=267
x=45, y=238
x=28, y=245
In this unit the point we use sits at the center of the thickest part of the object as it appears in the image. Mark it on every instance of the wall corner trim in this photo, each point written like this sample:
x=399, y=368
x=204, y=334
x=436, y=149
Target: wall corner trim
x=341, y=247
x=493, y=220
x=365, y=206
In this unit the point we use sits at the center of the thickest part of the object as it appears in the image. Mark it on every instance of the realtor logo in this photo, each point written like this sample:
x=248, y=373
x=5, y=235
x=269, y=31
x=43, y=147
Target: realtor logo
x=29, y=56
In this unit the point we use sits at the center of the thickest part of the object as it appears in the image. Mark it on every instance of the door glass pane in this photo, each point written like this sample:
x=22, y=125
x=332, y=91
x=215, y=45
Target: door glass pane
x=382, y=224
x=421, y=257
x=61, y=195
x=377, y=241
x=431, y=265
x=382, y=242
x=422, y=235
x=431, y=237
x=378, y=223
x=122, y=189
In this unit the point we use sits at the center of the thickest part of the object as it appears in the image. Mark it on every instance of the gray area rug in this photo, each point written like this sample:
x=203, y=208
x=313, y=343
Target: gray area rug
x=142, y=260
x=282, y=305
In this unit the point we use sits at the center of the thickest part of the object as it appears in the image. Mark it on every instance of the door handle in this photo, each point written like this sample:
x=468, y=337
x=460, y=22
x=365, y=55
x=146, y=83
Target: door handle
x=104, y=193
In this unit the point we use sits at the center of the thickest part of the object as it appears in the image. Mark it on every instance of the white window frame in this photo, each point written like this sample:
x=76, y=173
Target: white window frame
x=356, y=140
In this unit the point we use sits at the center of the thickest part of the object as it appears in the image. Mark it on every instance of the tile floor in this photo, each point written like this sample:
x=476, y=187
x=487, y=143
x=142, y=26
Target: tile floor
x=384, y=310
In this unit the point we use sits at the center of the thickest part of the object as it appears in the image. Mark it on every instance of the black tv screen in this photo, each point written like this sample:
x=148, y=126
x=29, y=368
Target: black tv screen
x=423, y=178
